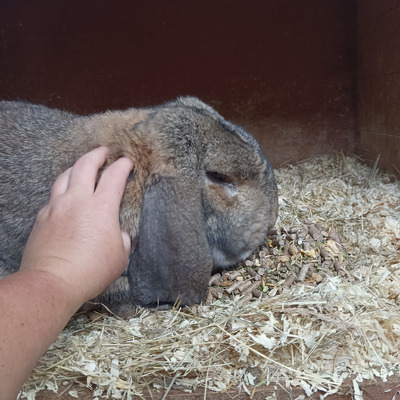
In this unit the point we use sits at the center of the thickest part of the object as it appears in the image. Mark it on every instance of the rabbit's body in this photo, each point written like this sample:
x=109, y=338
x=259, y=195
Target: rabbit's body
x=202, y=194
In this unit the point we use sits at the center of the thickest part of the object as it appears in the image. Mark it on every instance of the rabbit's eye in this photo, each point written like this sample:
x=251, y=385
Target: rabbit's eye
x=216, y=177
x=224, y=181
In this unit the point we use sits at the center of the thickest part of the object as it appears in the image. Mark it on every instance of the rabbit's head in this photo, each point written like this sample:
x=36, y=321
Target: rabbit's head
x=211, y=212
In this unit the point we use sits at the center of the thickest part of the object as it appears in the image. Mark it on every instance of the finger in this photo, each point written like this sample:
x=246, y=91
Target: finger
x=112, y=182
x=85, y=170
x=60, y=184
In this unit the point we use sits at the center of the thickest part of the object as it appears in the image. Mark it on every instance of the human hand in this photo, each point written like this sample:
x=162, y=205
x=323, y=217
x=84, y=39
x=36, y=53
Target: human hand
x=77, y=237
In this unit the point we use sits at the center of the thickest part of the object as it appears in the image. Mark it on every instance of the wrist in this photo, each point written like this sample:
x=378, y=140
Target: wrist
x=48, y=287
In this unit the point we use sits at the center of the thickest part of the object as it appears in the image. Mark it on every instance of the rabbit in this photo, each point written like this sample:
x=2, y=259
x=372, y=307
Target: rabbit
x=201, y=197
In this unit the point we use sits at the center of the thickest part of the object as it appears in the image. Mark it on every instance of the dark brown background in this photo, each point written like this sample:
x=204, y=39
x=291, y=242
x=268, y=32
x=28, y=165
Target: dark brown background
x=305, y=77
x=285, y=72
x=378, y=81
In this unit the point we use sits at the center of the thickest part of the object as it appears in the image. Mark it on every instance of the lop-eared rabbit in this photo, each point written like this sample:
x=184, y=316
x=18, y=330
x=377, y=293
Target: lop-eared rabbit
x=202, y=195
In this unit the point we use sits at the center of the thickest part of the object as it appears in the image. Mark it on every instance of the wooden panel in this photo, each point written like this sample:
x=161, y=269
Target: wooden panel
x=285, y=72
x=379, y=43
x=371, y=9
x=378, y=98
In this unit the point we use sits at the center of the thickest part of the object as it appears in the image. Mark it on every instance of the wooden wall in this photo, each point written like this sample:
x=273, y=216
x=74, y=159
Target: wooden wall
x=378, y=93
x=285, y=70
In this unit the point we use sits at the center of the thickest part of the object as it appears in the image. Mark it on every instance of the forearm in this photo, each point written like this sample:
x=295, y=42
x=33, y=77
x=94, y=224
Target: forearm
x=34, y=309
x=75, y=250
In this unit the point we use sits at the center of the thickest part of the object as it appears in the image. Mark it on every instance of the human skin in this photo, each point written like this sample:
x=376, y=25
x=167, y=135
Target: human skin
x=75, y=250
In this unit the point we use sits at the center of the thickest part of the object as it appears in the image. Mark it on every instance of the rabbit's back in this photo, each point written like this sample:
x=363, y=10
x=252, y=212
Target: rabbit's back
x=28, y=135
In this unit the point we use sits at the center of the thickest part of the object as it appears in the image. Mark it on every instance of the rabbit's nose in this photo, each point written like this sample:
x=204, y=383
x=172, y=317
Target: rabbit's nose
x=224, y=258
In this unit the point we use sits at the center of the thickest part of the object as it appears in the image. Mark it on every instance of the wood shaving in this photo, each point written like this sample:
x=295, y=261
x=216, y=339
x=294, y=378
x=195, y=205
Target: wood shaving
x=304, y=315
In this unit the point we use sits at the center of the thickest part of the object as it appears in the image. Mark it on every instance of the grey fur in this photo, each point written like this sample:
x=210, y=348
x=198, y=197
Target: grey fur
x=202, y=198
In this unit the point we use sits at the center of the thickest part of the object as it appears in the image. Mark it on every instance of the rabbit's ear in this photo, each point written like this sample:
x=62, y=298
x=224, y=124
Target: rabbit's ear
x=172, y=261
